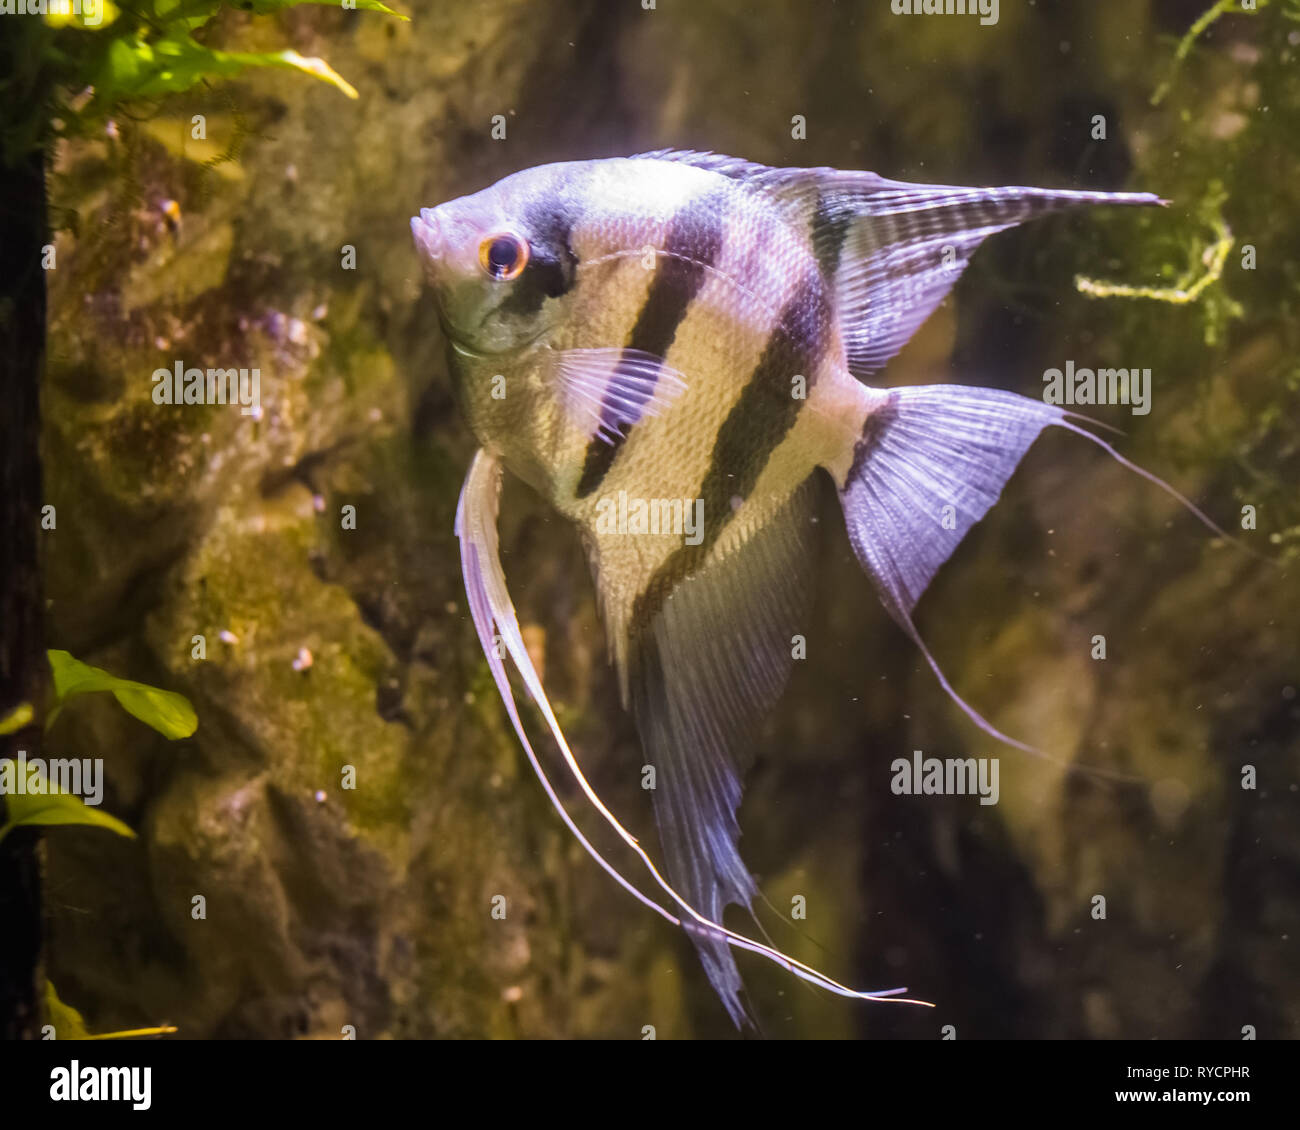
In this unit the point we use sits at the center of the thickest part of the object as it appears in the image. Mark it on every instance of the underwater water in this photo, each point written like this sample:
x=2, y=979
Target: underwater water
x=350, y=833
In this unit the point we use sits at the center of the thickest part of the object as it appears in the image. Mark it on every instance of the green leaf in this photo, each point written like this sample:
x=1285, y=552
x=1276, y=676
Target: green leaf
x=68, y=1024
x=166, y=711
x=67, y=1021
x=51, y=807
x=170, y=15
x=136, y=68
x=290, y=58
x=265, y=6
x=17, y=718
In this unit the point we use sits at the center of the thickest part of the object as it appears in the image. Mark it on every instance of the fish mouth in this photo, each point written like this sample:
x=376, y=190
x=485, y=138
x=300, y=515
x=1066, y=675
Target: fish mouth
x=427, y=234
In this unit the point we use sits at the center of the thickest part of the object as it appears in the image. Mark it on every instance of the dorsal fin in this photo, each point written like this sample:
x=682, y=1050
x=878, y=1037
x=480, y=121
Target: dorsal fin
x=890, y=250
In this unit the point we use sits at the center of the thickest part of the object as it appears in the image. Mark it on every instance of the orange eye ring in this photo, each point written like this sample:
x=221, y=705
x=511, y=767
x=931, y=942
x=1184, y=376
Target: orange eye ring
x=503, y=256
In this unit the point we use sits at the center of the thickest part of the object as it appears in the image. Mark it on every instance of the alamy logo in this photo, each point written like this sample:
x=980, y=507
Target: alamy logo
x=88, y=12
x=102, y=1084
x=987, y=10
x=683, y=517
x=179, y=385
x=950, y=776
x=83, y=777
x=1073, y=386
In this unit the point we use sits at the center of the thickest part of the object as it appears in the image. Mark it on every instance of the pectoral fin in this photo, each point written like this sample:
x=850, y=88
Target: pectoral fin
x=608, y=391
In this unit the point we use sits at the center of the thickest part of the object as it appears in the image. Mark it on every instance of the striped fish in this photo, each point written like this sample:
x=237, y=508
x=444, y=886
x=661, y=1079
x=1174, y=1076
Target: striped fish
x=695, y=329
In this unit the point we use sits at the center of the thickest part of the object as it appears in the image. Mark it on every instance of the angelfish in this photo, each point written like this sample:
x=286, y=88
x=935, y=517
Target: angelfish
x=686, y=326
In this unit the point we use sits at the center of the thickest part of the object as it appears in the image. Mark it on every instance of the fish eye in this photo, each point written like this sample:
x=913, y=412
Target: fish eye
x=503, y=256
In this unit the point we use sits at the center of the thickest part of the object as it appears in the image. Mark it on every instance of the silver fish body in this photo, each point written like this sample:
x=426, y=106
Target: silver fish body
x=660, y=258
x=684, y=327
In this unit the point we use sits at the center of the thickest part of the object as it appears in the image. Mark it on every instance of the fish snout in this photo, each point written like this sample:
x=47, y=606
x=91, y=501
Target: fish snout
x=427, y=233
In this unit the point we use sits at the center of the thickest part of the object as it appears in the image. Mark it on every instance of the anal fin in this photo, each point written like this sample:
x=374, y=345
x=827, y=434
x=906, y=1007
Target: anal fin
x=703, y=672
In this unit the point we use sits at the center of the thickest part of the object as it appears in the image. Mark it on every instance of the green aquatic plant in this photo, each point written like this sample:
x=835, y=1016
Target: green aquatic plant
x=79, y=67
x=68, y=1024
x=20, y=716
x=1207, y=261
x=160, y=54
x=1207, y=18
x=168, y=712
x=49, y=806
x=1220, y=258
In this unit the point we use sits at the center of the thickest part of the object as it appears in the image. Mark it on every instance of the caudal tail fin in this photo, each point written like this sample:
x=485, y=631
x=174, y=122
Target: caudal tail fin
x=931, y=461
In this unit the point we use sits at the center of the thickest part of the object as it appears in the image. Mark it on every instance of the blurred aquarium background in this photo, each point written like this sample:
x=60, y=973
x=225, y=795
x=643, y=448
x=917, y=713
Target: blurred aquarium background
x=371, y=906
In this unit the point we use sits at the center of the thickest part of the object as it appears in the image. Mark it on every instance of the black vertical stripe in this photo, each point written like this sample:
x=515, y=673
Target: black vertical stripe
x=872, y=430
x=691, y=246
x=760, y=419
x=831, y=221
x=552, y=265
